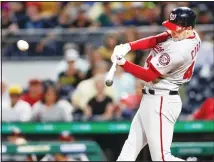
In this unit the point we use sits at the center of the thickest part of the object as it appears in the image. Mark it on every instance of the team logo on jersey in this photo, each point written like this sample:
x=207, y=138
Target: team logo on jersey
x=172, y=16
x=164, y=59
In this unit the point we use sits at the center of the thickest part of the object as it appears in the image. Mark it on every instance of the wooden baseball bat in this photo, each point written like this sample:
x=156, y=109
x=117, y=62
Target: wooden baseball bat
x=110, y=75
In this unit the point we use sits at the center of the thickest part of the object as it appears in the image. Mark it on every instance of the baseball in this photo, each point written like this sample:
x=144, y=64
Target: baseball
x=22, y=45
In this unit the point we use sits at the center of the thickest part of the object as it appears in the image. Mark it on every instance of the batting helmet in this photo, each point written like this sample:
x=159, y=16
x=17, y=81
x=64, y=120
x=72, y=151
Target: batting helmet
x=180, y=17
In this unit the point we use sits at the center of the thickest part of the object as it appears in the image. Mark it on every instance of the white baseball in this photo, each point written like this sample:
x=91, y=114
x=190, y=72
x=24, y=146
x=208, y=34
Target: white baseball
x=22, y=45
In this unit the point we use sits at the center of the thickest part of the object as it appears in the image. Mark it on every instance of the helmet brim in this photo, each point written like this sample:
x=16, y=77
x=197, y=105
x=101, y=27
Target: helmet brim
x=171, y=25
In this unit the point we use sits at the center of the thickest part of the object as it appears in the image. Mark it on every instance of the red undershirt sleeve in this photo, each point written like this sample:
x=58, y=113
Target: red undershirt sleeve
x=147, y=75
x=149, y=42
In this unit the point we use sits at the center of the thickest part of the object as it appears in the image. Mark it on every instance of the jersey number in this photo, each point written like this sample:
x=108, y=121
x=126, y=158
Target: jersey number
x=189, y=72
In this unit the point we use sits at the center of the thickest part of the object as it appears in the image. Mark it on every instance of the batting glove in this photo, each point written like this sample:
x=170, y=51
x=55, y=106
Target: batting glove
x=123, y=49
x=120, y=59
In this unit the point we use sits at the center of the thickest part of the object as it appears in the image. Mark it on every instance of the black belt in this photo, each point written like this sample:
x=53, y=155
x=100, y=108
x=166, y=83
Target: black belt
x=152, y=92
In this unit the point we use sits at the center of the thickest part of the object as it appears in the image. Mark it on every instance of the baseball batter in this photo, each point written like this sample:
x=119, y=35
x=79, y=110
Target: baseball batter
x=169, y=65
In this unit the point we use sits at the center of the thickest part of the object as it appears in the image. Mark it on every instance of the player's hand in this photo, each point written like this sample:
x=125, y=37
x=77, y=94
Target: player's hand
x=121, y=49
x=120, y=60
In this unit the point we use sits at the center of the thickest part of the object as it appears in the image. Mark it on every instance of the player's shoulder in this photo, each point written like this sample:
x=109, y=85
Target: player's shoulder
x=183, y=46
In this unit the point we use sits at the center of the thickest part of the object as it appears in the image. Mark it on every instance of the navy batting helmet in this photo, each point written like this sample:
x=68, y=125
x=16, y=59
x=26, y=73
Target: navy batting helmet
x=180, y=17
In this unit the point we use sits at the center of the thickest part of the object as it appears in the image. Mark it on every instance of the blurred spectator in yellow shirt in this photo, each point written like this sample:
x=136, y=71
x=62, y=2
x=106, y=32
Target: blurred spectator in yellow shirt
x=49, y=9
x=17, y=110
x=86, y=89
x=107, y=49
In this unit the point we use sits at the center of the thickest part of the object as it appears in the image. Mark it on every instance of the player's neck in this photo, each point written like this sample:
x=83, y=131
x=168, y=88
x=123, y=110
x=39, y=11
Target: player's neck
x=190, y=34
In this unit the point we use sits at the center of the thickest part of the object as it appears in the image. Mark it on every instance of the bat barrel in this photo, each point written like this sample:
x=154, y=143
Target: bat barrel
x=109, y=82
x=110, y=75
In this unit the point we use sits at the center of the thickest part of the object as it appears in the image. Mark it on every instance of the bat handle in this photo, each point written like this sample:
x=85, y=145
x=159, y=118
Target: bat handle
x=114, y=66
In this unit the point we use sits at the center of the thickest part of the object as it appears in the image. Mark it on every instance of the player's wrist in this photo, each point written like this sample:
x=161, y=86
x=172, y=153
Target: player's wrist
x=127, y=48
x=124, y=63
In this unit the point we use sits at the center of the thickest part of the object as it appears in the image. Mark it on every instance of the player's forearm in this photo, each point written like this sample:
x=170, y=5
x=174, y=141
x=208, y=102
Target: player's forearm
x=140, y=72
x=149, y=42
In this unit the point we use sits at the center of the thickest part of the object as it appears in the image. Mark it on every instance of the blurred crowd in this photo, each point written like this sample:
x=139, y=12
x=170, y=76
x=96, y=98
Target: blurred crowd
x=73, y=96
x=90, y=15
x=79, y=92
x=26, y=15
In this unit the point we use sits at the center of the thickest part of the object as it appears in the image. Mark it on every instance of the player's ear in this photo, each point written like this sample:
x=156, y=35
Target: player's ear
x=189, y=28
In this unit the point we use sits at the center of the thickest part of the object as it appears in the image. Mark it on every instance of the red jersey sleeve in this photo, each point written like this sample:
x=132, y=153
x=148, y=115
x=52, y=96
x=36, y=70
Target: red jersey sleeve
x=147, y=75
x=149, y=42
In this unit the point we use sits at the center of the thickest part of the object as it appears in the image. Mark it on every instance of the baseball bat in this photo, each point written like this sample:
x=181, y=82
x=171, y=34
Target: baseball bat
x=110, y=75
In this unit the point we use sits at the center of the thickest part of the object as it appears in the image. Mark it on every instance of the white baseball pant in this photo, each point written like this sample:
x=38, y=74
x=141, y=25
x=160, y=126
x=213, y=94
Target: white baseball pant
x=153, y=124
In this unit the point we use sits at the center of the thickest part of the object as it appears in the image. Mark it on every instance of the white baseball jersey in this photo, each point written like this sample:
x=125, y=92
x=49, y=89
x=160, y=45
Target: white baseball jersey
x=175, y=61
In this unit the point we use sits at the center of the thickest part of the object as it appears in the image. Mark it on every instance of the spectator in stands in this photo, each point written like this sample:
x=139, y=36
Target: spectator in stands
x=55, y=15
x=152, y=14
x=204, y=15
x=50, y=9
x=130, y=34
x=34, y=93
x=104, y=19
x=86, y=89
x=130, y=103
x=118, y=18
x=184, y=3
x=6, y=22
x=107, y=49
x=71, y=50
x=17, y=110
x=82, y=21
x=94, y=58
x=5, y=97
x=51, y=107
x=18, y=15
x=124, y=83
x=63, y=20
x=35, y=20
x=135, y=14
x=100, y=107
x=70, y=78
x=72, y=9
x=205, y=111
x=206, y=53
